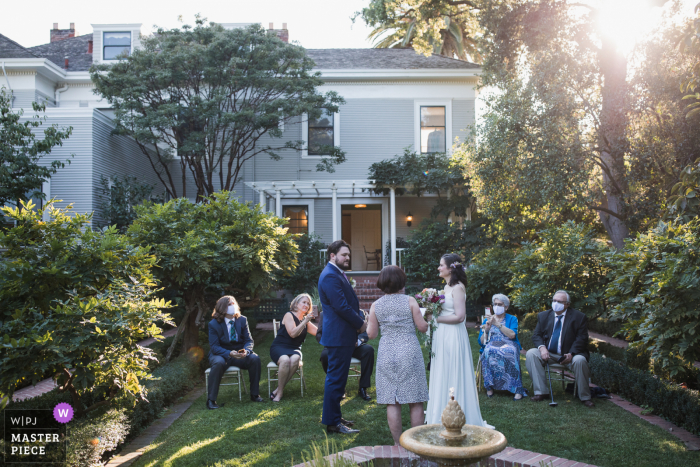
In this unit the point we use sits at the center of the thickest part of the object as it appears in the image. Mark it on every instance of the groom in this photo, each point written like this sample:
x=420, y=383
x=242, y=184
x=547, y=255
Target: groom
x=342, y=321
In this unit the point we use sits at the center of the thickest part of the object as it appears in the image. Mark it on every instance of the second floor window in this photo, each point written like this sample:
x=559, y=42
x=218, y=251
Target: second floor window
x=298, y=219
x=115, y=44
x=321, y=133
x=432, y=129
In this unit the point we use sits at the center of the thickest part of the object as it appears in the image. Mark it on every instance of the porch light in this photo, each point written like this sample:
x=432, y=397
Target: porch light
x=409, y=218
x=360, y=205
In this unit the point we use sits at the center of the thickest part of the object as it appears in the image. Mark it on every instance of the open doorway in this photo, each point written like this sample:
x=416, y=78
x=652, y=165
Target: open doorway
x=362, y=228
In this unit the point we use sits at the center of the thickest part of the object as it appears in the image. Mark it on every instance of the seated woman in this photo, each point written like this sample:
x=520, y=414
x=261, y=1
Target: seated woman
x=286, y=348
x=500, y=349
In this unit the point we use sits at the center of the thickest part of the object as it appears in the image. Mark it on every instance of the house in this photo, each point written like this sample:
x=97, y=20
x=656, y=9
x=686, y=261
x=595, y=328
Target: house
x=395, y=99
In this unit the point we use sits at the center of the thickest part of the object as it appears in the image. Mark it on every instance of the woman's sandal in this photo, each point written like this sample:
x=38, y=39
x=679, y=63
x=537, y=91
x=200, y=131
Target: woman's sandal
x=516, y=400
x=489, y=395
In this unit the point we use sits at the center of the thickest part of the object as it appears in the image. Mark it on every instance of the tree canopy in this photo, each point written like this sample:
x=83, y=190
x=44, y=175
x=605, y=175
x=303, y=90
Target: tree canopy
x=21, y=175
x=444, y=27
x=201, y=101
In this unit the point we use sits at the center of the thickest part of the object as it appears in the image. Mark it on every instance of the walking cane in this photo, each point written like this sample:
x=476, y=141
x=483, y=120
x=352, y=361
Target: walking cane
x=551, y=404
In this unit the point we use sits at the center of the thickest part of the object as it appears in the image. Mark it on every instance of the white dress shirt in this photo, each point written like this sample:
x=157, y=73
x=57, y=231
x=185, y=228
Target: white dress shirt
x=561, y=333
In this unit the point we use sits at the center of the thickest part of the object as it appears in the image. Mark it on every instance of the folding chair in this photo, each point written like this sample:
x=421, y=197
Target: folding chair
x=232, y=373
x=272, y=370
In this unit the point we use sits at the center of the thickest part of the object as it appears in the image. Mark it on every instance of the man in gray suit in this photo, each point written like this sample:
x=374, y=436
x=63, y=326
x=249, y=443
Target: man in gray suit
x=561, y=336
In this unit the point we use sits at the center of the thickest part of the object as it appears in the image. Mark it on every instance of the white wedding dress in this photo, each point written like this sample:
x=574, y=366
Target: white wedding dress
x=452, y=367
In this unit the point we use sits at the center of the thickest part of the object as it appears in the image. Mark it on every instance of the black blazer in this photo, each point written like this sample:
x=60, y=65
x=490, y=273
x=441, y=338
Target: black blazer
x=363, y=336
x=220, y=341
x=574, y=334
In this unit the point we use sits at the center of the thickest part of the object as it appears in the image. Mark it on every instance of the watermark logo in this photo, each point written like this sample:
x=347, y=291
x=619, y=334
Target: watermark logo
x=36, y=436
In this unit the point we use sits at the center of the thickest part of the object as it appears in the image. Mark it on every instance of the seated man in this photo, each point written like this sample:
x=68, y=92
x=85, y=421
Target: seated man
x=363, y=352
x=561, y=334
x=229, y=335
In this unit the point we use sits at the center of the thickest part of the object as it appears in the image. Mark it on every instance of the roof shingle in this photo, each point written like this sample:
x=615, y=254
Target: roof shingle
x=11, y=49
x=73, y=48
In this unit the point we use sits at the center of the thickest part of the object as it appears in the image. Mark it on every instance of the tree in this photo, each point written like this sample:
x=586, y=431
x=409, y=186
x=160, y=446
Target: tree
x=215, y=98
x=122, y=194
x=21, y=176
x=565, y=257
x=309, y=267
x=417, y=174
x=218, y=246
x=75, y=302
x=567, y=82
x=655, y=291
x=444, y=27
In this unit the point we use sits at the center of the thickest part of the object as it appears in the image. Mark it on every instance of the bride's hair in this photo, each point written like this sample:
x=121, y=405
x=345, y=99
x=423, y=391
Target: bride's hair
x=457, y=274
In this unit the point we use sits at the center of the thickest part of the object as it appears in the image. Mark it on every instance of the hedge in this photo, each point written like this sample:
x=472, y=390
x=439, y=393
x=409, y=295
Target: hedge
x=668, y=400
x=124, y=419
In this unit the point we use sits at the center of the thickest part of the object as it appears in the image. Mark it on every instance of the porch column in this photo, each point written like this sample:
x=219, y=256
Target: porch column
x=263, y=200
x=335, y=213
x=278, y=203
x=392, y=223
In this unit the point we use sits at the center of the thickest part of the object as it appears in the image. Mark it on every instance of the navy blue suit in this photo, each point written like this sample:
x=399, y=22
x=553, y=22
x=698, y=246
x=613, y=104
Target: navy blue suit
x=341, y=320
x=220, y=347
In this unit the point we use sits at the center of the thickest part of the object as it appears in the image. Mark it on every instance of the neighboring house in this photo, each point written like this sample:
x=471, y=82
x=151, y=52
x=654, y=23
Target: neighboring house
x=395, y=99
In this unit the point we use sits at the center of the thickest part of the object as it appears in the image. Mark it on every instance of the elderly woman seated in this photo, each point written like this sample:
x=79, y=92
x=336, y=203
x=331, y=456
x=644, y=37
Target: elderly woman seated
x=500, y=350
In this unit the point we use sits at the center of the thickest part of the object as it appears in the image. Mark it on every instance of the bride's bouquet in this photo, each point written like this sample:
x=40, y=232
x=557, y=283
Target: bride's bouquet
x=432, y=301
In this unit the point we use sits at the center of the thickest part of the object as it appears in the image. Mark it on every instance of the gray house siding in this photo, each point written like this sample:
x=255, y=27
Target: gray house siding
x=115, y=156
x=463, y=115
x=323, y=219
x=371, y=130
x=72, y=184
x=42, y=98
x=23, y=100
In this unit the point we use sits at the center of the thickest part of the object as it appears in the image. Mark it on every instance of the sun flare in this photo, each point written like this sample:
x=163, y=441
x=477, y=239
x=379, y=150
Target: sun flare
x=628, y=21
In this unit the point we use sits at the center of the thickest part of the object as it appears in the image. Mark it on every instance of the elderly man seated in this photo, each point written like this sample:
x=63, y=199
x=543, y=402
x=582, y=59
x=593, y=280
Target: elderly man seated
x=561, y=336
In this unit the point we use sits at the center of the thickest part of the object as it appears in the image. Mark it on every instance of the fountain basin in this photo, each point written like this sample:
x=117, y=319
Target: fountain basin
x=478, y=444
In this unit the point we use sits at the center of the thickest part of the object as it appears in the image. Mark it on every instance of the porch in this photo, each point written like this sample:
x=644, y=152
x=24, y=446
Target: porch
x=350, y=210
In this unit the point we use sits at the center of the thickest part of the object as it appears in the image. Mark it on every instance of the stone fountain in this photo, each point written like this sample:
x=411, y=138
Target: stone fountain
x=453, y=442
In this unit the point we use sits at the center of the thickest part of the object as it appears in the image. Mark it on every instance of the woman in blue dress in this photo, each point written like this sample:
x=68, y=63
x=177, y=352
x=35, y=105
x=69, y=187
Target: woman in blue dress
x=500, y=351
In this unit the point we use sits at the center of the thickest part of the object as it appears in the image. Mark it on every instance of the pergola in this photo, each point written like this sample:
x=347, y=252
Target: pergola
x=332, y=189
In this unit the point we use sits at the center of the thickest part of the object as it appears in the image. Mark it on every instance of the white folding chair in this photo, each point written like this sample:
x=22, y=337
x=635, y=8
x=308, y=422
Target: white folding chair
x=272, y=370
x=233, y=373
x=355, y=369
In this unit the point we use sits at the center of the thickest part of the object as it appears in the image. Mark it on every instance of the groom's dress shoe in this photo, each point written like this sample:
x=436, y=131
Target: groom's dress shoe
x=211, y=405
x=539, y=397
x=346, y=422
x=363, y=394
x=341, y=429
x=257, y=398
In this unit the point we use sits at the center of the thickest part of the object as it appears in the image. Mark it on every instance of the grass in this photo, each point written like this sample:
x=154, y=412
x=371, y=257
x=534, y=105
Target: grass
x=270, y=434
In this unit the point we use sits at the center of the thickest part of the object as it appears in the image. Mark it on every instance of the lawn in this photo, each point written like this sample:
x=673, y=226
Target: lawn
x=271, y=434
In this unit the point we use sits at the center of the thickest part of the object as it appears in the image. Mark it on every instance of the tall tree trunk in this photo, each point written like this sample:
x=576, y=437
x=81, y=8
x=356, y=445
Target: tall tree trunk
x=613, y=142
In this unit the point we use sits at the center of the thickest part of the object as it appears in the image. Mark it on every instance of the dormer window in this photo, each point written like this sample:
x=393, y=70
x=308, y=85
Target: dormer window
x=116, y=44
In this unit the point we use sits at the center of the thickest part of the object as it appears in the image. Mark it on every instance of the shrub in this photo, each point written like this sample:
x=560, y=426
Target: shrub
x=488, y=273
x=75, y=299
x=656, y=292
x=121, y=195
x=529, y=322
x=305, y=276
x=90, y=438
x=435, y=238
x=680, y=406
x=605, y=326
x=566, y=257
x=218, y=246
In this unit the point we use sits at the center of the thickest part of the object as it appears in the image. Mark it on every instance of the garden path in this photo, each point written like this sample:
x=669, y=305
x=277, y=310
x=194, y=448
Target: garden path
x=49, y=383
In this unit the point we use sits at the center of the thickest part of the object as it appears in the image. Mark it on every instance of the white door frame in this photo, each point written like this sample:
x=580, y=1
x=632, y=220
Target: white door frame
x=384, y=202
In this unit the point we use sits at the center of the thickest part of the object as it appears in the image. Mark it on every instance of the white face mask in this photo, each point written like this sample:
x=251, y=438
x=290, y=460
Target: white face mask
x=556, y=306
x=231, y=310
x=499, y=310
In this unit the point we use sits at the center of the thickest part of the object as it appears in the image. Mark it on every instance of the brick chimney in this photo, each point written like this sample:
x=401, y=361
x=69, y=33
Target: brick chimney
x=283, y=33
x=89, y=47
x=61, y=34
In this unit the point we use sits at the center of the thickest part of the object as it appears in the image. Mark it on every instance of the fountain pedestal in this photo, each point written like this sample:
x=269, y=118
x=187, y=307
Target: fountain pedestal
x=453, y=442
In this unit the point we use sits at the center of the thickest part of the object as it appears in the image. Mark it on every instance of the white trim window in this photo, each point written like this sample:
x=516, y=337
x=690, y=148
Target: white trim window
x=115, y=44
x=433, y=126
x=316, y=133
x=300, y=212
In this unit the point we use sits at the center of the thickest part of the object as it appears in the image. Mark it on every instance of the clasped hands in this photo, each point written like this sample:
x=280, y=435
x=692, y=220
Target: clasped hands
x=544, y=353
x=363, y=328
x=242, y=352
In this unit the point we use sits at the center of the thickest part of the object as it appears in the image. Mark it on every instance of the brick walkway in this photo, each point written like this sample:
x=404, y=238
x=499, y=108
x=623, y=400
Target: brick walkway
x=509, y=457
x=48, y=384
x=136, y=448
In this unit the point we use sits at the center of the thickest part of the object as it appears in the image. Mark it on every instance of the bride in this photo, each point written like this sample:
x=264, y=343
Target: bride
x=452, y=365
